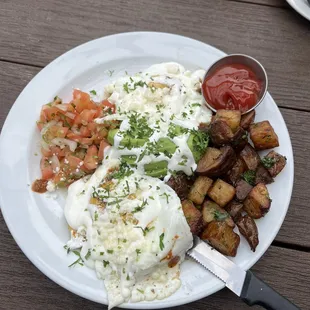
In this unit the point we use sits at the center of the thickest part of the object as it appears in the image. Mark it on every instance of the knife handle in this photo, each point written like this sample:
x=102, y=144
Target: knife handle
x=257, y=292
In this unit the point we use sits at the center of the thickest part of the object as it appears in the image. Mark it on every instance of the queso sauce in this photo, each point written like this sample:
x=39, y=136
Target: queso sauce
x=233, y=87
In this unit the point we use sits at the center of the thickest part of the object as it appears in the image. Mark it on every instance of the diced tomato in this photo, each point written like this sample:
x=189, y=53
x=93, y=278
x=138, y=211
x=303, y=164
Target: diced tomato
x=74, y=137
x=92, y=126
x=108, y=105
x=73, y=161
x=58, y=131
x=60, y=153
x=85, y=132
x=91, y=158
x=40, y=125
x=46, y=169
x=50, y=113
x=103, y=145
x=87, y=141
x=87, y=116
x=46, y=153
x=81, y=100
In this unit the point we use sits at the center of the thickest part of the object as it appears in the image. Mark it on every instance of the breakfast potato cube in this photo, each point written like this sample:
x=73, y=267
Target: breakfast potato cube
x=213, y=212
x=250, y=157
x=221, y=192
x=258, y=202
x=235, y=173
x=239, y=140
x=248, y=229
x=199, y=189
x=234, y=208
x=181, y=184
x=220, y=133
x=262, y=175
x=231, y=117
x=193, y=216
x=274, y=162
x=263, y=136
x=243, y=188
x=247, y=119
x=221, y=237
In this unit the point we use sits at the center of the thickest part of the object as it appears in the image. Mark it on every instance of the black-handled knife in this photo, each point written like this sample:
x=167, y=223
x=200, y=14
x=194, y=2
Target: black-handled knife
x=245, y=284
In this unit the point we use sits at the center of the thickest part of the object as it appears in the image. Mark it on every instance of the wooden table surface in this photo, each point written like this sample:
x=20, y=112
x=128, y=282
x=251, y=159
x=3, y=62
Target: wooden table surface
x=33, y=33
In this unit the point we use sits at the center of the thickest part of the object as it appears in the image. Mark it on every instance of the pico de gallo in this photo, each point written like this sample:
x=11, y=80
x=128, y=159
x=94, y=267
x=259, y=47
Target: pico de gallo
x=72, y=143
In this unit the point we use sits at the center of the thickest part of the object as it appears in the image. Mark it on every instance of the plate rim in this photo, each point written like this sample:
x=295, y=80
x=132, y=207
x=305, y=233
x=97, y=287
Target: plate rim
x=297, y=8
x=148, y=305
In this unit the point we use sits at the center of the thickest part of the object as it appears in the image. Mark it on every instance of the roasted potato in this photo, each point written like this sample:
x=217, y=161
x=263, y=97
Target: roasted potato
x=181, y=184
x=221, y=192
x=239, y=140
x=213, y=212
x=235, y=173
x=250, y=157
x=258, y=202
x=231, y=117
x=262, y=175
x=220, y=133
x=216, y=162
x=263, y=136
x=221, y=237
x=247, y=120
x=199, y=189
x=274, y=163
x=248, y=229
x=243, y=188
x=193, y=216
x=234, y=208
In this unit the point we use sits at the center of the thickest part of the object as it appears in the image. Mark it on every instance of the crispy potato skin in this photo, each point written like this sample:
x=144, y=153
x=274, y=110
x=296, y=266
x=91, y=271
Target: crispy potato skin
x=199, y=189
x=263, y=136
x=243, y=188
x=213, y=212
x=193, y=217
x=231, y=117
x=221, y=237
x=250, y=157
x=181, y=184
x=247, y=120
x=248, y=229
x=239, y=140
x=234, y=208
x=216, y=162
x=220, y=133
x=221, y=192
x=262, y=175
x=258, y=202
x=235, y=173
x=279, y=164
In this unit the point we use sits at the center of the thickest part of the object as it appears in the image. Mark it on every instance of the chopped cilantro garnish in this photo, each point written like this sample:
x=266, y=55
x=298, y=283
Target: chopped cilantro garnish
x=87, y=256
x=220, y=216
x=268, y=162
x=249, y=176
x=93, y=92
x=138, y=251
x=105, y=263
x=141, y=207
x=140, y=291
x=110, y=251
x=161, y=241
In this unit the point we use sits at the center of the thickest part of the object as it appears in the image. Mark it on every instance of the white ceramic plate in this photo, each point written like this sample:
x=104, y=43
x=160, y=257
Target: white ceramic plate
x=37, y=222
x=301, y=6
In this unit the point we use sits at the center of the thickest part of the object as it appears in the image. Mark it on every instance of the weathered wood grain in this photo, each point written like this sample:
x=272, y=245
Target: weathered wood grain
x=25, y=287
x=294, y=230
x=36, y=32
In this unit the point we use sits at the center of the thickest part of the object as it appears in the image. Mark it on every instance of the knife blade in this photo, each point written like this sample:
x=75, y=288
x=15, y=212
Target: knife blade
x=245, y=284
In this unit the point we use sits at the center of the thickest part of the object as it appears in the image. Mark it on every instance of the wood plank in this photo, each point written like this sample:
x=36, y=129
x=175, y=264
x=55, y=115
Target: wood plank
x=36, y=32
x=25, y=287
x=295, y=227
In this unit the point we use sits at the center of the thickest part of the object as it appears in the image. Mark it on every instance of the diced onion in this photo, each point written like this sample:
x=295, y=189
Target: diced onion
x=55, y=163
x=62, y=142
x=44, y=143
x=70, y=115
